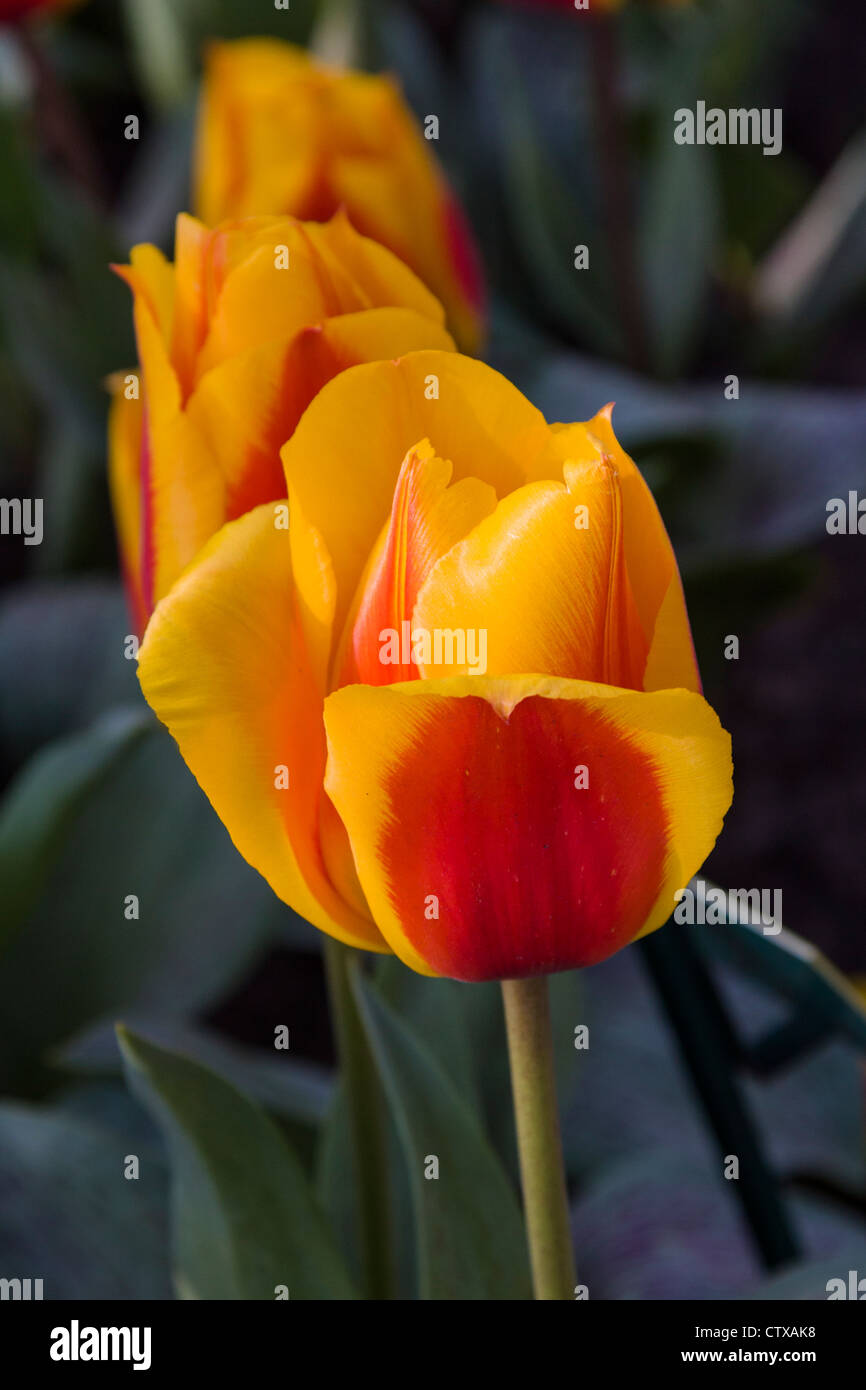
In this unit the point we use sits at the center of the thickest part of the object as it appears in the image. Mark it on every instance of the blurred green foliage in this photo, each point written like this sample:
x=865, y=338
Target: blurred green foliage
x=96, y=803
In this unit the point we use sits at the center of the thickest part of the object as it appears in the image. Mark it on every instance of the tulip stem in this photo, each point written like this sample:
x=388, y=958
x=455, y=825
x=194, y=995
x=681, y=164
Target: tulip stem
x=533, y=1084
x=366, y=1113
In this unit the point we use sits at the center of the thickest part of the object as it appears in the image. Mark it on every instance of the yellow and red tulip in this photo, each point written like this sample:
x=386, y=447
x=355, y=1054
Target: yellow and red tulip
x=279, y=132
x=532, y=817
x=234, y=340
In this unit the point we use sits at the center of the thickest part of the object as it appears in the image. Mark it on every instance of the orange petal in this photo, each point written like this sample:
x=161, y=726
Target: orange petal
x=480, y=850
x=211, y=438
x=427, y=518
x=344, y=476
x=649, y=558
x=225, y=666
x=255, y=148
x=541, y=585
x=385, y=277
x=193, y=248
x=125, y=424
x=151, y=277
x=278, y=130
x=275, y=276
x=249, y=405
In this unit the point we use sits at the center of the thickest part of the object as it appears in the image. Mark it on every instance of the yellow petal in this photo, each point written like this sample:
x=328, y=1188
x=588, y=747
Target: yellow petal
x=344, y=474
x=649, y=558
x=125, y=422
x=427, y=518
x=280, y=133
x=541, y=586
x=224, y=665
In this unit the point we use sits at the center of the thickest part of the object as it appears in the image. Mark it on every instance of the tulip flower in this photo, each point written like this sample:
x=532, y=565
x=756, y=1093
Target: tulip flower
x=454, y=710
x=234, y=340
x=280, y=133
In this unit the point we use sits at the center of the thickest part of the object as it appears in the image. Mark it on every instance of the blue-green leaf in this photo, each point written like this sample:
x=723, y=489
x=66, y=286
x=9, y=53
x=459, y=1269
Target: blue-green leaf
x=471, y=1242
x=246, y=1224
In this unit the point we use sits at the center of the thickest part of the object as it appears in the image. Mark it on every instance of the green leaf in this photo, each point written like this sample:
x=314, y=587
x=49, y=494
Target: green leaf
x=227, y=19
x=291, y=1088
x=336, y=1189
x=463, y=1027
x=820, y=994
x=67, y=1213
x=245, y=1219
x=767, y=486
x=471, y=1242
x=44, y=799
x=158, y=183
x=816, y=269
x=55, y=349
x=76, y=626
x=146, y=830
x=160, y=48
x=437, y=1011
x=678, y=235
x=548, y=223
x=19, y=205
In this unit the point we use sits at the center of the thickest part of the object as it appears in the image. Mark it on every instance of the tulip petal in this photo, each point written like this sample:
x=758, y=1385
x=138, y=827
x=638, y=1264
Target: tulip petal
x=543, y=584
x=125, y=424
x=649, y=558
x=224, y=665
x=278, y=130
x=151, y=277
x=254, y=149
x=194, y=246
x=232, y=350
x=386, y=278
x=264, y=279
x=249, y=405
x=427, y=518
x=479, y=850
x=344, y=476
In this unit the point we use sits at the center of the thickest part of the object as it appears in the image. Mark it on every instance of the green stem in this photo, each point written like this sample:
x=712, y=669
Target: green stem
x=366, y=1111
x=530, y=1051
x=341, y=33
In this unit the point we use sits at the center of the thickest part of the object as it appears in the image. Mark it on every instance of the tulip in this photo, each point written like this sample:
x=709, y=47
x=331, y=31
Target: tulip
x=234, y=340
x=531, y=816
x=280, y=133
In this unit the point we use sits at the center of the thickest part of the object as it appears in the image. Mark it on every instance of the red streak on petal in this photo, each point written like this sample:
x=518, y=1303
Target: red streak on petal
x=411, y=549
x=532, y=874
x=147, y=551
x=309, y=363
x=463, y=253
